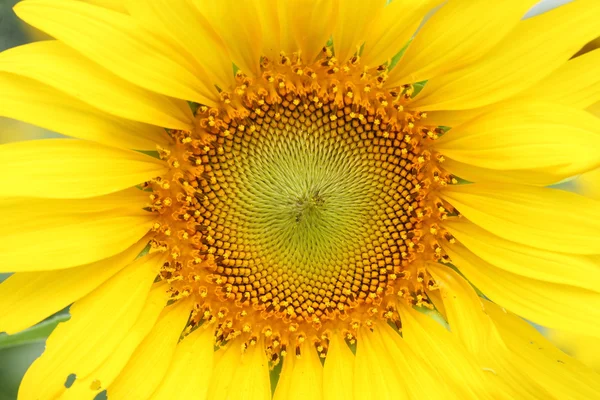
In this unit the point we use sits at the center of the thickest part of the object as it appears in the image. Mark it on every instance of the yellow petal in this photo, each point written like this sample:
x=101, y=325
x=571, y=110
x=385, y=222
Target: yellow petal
x=443, y=353
x=577, y=94
x=48, y=234
x=549, y=304
x=393, y=29
x=543, y=218
x=558, y=373
x=26, y=298
x=386, y=366
x=471, y=173
x=181, y=21
x=309, y=23
x=594, y=109
x=376, y=376
x=576, y=83
x=238, y=25
x=97, y=325
x=116, y=5
x=70, y=169
x=191, y=369
x=64, y=69
x=150, y=362
x=354, y=20
x=88, y=386
x=515, y=64
x=527, y=136
x=271, y=22
x=301, y=377
x=420, y=380
x=247, y=373
x=436, y=299
x=471, y=324
x=458, y=34
x=583, y=348
x=38, y=104
x=464, y=310
x=569, y=269
x=456, y=117
x=117, y=42
x=338, y=371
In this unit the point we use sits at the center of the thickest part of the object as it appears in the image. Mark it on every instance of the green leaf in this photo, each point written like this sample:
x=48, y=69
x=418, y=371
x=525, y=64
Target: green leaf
x=35, y=334
x=418, y=87
x=274, y=374
x=151, y=153
x=398, y=55
x=4, y=276
x=194, y=106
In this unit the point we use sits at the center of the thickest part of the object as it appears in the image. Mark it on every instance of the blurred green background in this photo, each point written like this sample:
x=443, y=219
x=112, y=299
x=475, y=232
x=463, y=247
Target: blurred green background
x=11, y=33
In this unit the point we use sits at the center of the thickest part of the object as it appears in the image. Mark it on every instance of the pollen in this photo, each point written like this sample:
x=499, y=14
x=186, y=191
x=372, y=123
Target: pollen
x=305, y=203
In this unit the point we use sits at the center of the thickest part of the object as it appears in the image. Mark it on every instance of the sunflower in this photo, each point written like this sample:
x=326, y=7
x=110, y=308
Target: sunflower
x=302, y=199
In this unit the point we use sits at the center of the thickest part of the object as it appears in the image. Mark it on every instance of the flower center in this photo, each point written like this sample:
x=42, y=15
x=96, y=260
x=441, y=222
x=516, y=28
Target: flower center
x=300, y=203
x=306, y=219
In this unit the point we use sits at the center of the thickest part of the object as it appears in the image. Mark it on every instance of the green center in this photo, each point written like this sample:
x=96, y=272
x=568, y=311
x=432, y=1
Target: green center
x=309, y=201
x=307, y=210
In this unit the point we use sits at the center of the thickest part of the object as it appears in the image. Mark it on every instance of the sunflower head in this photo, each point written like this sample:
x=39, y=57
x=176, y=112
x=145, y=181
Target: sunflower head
x=323, y=185
x=302, y=204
